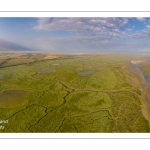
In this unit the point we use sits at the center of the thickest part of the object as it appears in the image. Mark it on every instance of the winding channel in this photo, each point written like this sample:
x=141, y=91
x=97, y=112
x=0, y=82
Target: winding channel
x=144, y=79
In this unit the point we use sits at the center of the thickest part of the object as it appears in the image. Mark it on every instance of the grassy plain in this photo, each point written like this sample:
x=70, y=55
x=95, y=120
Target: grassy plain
x=64, y=101
x=146, y=68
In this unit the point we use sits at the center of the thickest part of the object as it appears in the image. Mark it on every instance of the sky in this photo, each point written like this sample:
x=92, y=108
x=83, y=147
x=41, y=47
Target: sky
x=75, y=35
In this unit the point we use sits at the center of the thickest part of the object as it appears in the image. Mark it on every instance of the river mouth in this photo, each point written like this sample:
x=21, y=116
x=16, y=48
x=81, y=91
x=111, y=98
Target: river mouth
x=44, y=71
x=12, y=98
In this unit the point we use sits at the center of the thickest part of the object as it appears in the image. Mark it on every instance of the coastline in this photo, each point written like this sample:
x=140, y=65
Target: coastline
x=144, y=87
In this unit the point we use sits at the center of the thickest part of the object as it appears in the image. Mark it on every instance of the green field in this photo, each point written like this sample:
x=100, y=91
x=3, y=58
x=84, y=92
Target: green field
x=81, y=93
x=146, y=68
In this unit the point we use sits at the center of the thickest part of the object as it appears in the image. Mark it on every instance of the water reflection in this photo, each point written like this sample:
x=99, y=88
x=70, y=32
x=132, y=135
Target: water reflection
x=85, y=73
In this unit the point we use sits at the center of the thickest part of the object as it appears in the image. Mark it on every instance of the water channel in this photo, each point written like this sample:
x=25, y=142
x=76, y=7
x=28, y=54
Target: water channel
x=144, y=79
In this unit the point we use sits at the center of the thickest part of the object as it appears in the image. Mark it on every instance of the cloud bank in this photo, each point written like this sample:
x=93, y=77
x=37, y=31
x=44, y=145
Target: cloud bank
x=10, y=46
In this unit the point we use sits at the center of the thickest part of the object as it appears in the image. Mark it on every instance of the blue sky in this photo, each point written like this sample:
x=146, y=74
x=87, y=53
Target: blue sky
x=75, y=35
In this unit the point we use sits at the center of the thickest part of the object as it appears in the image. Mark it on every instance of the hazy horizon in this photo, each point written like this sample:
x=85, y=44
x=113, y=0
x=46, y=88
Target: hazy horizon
x=75, y=35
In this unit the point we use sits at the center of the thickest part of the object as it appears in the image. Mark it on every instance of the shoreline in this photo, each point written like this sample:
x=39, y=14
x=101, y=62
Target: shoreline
x=137, y=61
x=143, y=87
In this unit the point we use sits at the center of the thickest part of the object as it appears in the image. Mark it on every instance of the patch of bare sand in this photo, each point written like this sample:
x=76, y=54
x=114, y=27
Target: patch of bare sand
x=145, y=104
x=137, y=61
x=134, y=81
x=50, y=57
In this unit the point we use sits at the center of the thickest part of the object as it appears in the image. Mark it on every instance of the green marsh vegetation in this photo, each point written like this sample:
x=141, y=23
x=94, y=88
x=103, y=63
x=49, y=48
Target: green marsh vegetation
x=146, y=68
x=83, y=93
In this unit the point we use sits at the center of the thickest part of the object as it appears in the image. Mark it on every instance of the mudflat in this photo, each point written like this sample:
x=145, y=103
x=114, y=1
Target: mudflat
x=12, y=98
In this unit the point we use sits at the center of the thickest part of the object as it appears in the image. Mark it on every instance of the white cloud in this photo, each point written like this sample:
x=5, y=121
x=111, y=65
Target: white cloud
x=141, y=34
x=103, y=27
x=148, y=26
x=92, y=32
x=140, y=18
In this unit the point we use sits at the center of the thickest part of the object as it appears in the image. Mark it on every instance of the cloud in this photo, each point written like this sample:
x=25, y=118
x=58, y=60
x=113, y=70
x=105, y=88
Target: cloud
x=140, y=19
x=148, y=26
x=144, y=33
x=128, y=29
x=7, y=45
x=102, y=27
x=95, y=33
